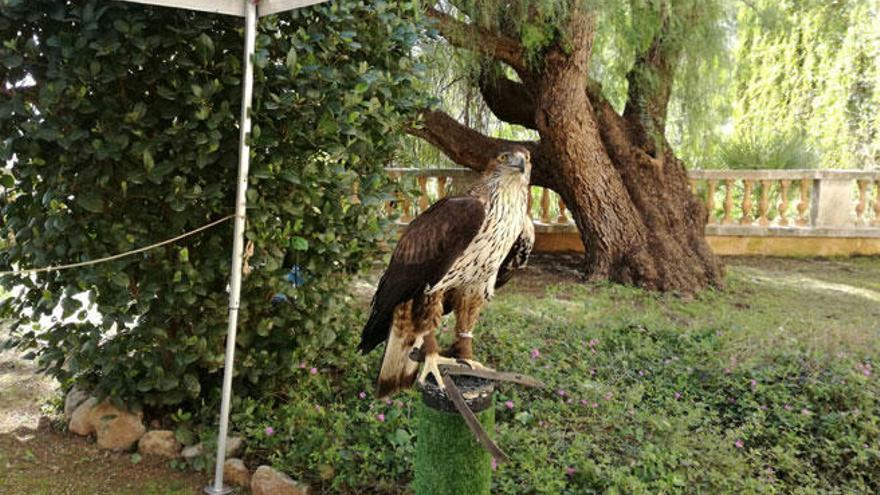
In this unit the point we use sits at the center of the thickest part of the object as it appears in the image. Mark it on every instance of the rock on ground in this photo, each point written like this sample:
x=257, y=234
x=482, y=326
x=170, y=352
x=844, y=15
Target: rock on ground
x=233, y=446
x=267, y=481
x=236, y=473
x=116, y=429
x=79, y=419
x=192, y=451
x=161, y=443
x=74, y=398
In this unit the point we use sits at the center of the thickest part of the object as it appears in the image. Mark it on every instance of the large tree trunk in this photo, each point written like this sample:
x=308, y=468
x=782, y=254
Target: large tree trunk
x=627, y=192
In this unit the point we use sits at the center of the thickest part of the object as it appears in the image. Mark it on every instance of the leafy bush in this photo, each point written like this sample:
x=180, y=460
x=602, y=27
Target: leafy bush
x=122, y=123
x=779, y=151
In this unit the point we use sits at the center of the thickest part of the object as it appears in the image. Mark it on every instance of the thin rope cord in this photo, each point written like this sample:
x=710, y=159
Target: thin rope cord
x=117, y=256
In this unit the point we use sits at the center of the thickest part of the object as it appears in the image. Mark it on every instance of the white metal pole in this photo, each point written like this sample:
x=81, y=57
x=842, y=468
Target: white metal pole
x=250, y=36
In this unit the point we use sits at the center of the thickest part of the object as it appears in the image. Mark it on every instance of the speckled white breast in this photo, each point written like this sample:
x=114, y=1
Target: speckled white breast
x=479, y=263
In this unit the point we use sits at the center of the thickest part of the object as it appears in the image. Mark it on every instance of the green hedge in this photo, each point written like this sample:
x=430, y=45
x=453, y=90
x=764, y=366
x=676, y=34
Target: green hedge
x=123, y=127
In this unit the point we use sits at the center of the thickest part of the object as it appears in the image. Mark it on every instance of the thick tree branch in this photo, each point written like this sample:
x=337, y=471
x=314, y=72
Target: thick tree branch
x=509, y=100
x=650, y=87
x=473, y=149
x=469, y=36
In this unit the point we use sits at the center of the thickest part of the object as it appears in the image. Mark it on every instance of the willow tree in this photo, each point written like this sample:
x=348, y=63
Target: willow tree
x=811, y=67
x=538, y=68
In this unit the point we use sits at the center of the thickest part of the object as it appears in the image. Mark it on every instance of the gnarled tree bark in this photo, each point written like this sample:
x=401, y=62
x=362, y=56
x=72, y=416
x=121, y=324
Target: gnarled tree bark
x=627, y=192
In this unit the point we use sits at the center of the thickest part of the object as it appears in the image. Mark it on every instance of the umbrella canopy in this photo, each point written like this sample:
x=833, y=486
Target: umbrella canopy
x=251, y=10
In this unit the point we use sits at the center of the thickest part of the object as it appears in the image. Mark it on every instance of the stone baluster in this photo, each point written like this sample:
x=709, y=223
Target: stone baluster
x=562, y=218
x=390, y=205
x=861, y=206
x=545, y=205
x=783, y=202
x=441, y=187
x=764, y=204
x=424, y=202
x=728, y=202
x=876, y=222
x=710, y=201
x=405, y=216
x=746, y=218
x=803, y=203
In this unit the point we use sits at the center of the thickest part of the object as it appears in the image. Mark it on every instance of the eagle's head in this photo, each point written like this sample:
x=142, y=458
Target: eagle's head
x=514, y=164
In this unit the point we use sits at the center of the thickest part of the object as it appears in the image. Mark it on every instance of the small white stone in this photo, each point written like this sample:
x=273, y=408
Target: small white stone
x=233, y=446
x=192, y=451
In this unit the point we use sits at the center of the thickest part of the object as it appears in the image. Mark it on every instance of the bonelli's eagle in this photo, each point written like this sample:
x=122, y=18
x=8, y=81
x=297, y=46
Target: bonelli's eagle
x=451, y=257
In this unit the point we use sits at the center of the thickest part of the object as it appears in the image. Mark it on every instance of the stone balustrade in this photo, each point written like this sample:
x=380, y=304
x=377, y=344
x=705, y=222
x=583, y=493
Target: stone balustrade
x=763, y=212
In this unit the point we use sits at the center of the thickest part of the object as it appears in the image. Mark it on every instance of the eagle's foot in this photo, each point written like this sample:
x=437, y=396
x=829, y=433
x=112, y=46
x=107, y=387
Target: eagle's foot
x=474, y=364
x=432, y=366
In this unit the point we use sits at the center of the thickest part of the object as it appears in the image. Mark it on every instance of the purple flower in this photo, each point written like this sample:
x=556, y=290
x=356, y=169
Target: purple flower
x=727, y=371
x=494, y=464
x=561, y=393
x=313, y=371
x=535, y=353
x=738, y=444
x=509, y=404
x=677, y=395
x=583, y=402
x=593, y=342
x=787, y=407
x=387, y=402
x=380, y=417
x=302, y=365
x=805, y=412
x=569, y=471
x=362, y=395
x=753, y=383
x=608, y=395
x=269, y=431
x=594, y=405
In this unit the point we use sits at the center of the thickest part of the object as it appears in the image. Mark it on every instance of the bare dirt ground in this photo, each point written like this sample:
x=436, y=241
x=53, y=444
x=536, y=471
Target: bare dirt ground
x=36, y=458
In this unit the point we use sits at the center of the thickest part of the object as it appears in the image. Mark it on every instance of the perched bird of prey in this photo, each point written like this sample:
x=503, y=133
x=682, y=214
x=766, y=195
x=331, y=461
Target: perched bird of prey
x=452, y=257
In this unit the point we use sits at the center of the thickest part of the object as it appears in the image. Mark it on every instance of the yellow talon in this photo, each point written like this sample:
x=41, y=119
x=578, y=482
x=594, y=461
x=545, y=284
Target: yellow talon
x=432, y=366
x=475, y=365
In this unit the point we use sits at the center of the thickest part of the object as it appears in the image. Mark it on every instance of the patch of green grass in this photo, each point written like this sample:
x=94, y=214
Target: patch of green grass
x=765, y=387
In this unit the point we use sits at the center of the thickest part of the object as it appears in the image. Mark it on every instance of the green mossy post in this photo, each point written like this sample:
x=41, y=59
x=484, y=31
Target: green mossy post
x=449, y=460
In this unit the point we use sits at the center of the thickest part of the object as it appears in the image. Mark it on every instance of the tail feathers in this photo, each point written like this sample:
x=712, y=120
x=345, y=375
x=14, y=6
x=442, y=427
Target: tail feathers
x=398, y=370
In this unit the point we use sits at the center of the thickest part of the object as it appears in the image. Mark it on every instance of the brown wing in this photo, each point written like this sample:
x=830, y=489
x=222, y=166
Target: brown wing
x=425, y=252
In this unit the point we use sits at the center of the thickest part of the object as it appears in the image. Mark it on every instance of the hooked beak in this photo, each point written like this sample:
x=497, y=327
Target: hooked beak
x=519, y=162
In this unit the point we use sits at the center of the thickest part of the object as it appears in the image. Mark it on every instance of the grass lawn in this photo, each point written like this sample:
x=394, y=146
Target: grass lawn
x=766, y=387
